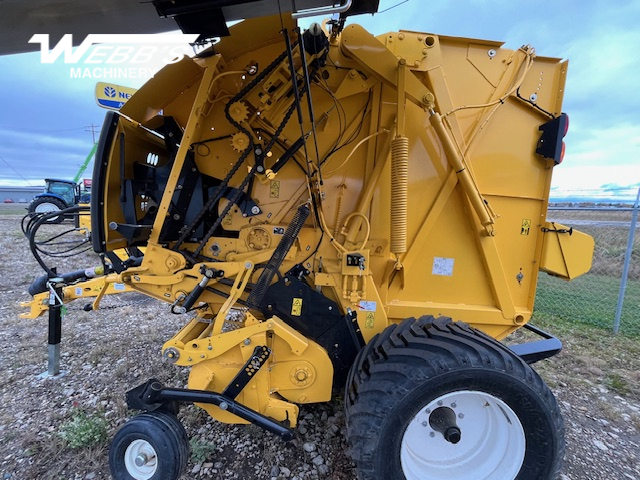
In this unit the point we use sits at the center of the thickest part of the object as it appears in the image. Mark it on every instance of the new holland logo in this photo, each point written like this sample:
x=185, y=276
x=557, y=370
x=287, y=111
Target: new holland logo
x=112, y=96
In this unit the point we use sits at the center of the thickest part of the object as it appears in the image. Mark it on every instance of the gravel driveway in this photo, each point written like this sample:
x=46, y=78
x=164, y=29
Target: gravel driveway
x=106, y=352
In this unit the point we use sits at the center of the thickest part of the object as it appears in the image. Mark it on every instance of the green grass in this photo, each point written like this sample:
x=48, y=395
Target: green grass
x=201, y=450
x=589, y=300
x=83, y=430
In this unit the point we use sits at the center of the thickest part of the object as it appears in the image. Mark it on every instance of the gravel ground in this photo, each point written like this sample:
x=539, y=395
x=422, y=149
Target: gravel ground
x=60, y=427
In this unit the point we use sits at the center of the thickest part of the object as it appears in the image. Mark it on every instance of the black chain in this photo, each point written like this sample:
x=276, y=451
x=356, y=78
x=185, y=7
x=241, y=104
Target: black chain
x=217, y=195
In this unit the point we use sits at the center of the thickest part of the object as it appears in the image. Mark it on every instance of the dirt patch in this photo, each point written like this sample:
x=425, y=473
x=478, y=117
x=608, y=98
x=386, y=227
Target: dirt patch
x=60, y=427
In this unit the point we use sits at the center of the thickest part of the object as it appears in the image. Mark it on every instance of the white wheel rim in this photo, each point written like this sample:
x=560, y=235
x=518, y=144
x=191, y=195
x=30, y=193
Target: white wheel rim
x=492, y=443
x=46, y=208
x=140, y=460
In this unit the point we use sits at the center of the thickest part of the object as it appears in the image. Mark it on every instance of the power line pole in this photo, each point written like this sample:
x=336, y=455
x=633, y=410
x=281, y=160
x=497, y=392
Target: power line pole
x=92, y=129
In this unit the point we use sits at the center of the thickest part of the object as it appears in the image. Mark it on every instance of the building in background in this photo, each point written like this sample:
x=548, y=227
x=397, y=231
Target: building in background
x=19, y=194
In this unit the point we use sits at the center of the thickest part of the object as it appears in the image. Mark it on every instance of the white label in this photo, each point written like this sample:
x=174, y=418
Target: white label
x=78, y=291
x=442, y=266
x=119, y=286
x=367, y=306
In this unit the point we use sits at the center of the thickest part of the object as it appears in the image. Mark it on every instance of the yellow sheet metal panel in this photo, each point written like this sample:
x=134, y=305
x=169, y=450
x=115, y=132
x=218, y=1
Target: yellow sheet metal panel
x=566, y=253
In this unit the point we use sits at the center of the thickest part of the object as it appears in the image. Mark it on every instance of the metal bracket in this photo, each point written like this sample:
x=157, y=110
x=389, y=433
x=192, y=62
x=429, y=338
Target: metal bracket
x=532, y=352
x=152, y=395
x=247, y=372
x=558, y=230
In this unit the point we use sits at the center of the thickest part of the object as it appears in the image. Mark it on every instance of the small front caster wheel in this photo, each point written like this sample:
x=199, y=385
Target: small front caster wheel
x=150, y=446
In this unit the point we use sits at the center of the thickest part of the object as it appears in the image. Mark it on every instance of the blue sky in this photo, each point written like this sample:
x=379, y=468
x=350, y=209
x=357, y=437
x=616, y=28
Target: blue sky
x=45, y=114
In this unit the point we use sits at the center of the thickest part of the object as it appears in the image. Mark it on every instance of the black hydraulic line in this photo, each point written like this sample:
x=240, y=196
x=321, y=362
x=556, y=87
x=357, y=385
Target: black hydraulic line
x=32, y=234
x=307, y=84
x=39, y=285
x=123, y=187
x=296, y=93
x=290, y=152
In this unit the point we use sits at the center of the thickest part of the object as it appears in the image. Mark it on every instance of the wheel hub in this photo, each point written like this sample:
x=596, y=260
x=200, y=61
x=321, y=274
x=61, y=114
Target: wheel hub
x=466, y=435
x=140, y=460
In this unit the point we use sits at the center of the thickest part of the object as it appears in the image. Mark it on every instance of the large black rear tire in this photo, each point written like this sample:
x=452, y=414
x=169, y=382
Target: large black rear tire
x=431, y=399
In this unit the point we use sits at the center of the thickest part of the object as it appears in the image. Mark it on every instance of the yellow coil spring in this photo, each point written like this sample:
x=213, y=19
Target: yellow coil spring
x=399, y=188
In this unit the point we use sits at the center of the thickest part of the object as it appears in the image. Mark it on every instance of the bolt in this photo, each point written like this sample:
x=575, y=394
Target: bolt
x=209, y=347
x=491, y=53
x=260, y=169
x=424, y=424
x=440, y=403
x=427, y=411
x=255, y=210
x=224, y=406
x=461, y=415
x=141, y=460
x=401, y=36
x=432, y=434
x=454, y=405
x=247, y=341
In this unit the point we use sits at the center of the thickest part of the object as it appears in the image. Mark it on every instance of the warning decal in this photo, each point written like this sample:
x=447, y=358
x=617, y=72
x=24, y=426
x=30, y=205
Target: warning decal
x=296, y=307
x=526, y=226
x=371, y=320
x=274, y=189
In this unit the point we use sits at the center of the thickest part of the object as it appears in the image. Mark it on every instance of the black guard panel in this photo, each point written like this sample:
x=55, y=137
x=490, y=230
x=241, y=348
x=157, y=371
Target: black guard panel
x=317, y=318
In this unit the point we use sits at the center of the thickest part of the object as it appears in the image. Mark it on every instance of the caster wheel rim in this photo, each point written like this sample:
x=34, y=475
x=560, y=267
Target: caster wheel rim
x=484, y=440
x=140, y=460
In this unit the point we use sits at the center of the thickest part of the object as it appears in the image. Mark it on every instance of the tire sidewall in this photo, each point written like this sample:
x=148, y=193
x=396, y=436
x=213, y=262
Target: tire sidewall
x=529, y=406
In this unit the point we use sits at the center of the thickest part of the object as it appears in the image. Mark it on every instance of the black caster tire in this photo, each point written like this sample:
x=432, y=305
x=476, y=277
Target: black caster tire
x=150, y=446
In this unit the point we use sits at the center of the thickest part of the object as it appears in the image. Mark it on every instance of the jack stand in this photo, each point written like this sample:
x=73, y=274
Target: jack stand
x=55, y=328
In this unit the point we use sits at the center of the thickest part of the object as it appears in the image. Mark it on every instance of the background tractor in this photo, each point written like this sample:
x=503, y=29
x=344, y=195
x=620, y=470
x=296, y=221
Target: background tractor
x=58, y=195
x=319, y=206
x=62, y=194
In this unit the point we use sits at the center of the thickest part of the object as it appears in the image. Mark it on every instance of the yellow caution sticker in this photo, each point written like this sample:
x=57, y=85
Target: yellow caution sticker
x=526, y=226
x=371, y=320
x=296, y=307
x=274, y=189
